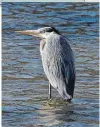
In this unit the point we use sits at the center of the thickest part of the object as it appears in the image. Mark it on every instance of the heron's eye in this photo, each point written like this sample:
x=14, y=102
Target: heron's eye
x=49, y=30
x=42, y=31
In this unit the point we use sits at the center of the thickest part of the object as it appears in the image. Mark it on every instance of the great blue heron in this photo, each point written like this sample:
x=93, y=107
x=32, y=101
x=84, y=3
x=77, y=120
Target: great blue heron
x=57, y=60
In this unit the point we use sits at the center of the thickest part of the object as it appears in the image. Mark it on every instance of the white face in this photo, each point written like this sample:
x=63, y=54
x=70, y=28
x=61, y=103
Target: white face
x=45, y=32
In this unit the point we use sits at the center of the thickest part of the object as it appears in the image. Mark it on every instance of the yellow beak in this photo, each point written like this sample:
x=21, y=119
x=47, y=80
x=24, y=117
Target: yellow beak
x=30, y=32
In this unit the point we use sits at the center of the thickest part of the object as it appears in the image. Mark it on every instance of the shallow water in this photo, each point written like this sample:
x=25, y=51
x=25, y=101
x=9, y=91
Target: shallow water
x=24, y=85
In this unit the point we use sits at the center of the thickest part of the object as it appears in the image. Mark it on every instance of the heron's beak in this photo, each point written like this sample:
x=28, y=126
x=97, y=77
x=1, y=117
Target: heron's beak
x=30, y=32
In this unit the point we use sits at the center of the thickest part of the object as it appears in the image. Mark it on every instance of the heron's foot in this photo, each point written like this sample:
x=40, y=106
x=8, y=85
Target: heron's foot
x=56, y=102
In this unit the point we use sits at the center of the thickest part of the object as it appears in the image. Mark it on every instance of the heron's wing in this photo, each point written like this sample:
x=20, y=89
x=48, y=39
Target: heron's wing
x=67, y=65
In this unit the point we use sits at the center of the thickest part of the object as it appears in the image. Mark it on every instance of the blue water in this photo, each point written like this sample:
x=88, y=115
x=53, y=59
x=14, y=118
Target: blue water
x=24, y=85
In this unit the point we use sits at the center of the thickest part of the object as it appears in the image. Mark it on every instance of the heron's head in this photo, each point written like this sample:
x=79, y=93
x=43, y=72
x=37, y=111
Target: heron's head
x=42, y=33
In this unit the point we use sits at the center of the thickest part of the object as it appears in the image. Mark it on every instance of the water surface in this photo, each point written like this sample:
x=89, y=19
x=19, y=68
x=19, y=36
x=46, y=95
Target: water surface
x=24, y=85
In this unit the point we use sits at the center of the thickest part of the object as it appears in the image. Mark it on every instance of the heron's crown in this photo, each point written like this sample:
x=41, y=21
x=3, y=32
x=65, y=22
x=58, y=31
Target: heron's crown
x=48, y=30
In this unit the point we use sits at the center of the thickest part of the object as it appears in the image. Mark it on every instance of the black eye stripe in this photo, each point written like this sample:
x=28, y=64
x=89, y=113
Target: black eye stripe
x=49, y=30
x=46, y=30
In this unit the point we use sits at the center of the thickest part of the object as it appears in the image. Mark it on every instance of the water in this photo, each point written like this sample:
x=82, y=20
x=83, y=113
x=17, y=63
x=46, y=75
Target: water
x=25, y=87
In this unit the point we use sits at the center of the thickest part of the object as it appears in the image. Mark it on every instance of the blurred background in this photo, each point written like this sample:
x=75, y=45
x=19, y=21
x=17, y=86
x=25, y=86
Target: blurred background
x=24, y=85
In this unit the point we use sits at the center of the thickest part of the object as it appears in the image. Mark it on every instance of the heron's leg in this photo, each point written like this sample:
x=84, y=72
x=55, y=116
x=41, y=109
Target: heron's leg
x=49, y=91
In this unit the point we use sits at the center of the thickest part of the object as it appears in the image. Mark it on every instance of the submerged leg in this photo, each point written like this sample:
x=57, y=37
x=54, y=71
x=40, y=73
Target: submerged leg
x=49, y=91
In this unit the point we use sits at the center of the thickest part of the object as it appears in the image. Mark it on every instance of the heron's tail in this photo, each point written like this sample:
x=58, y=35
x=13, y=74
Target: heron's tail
x=63, y=92
x=66, y=89
x=66, y=95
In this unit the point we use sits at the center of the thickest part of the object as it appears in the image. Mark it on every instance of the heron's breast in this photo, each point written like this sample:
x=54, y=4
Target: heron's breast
x=42, y=45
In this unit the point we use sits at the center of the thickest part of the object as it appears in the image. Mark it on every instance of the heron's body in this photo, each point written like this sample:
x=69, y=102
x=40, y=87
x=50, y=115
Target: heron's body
x=57, y=60
x=58, y=64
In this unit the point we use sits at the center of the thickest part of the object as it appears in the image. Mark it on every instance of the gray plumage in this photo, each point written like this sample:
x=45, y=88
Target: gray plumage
x=57, y=60
x=58, y=64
